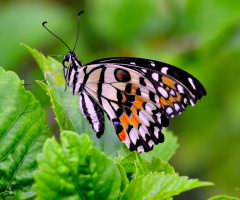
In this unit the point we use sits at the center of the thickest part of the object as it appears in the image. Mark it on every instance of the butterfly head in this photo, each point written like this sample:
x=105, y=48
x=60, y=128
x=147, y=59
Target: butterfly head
x=71, y=63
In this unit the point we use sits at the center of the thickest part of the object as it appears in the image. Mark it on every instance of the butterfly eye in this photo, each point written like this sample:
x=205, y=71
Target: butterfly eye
x=122, y=75
x=67, y=57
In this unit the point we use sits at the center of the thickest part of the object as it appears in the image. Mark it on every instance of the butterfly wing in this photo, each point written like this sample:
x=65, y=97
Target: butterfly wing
x=139, y=100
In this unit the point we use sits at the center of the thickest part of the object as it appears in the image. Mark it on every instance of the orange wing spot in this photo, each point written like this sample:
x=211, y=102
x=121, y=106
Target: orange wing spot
x=163, y=102
x=139, y=101
x=134, y=89
x=162, y=105
x=134, y=109
x=122, y=135
x=124, y=119
x=169, y=82
x=170, y=101
x=124, y=98
x=178, y=97
x=120, y=75
x=135, y=120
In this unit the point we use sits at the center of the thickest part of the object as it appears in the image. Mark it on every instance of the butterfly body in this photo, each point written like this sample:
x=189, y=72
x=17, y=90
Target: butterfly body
x=138, y=95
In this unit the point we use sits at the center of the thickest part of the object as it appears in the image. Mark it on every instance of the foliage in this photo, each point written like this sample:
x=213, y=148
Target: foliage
x=223, y=198
x=76, y=170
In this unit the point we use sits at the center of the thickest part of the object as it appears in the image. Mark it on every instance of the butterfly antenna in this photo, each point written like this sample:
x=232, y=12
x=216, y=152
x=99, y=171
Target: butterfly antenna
x=78, y=29
x=55, y=35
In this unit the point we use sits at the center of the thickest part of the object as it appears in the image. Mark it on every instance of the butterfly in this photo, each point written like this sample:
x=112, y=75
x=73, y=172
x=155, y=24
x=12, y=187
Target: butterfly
x=139, y=96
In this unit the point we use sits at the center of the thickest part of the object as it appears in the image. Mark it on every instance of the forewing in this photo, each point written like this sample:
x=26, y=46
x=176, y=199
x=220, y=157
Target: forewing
x=182, y=76
x=176, y=88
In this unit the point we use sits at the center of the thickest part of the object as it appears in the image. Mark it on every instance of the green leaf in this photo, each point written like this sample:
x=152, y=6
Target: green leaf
x=166, y=149
x=220, y=197
x=132, y=164
x=76, y=170
x=108, y=143
x=125, y=180
x=58, y=108
x=141, y=164
x=155, y=164
x=159, y=186
x=122, y=153
x=23, y=131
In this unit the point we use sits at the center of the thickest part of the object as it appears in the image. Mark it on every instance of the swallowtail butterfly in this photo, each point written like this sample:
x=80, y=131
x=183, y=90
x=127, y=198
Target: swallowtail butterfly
x=138, y=95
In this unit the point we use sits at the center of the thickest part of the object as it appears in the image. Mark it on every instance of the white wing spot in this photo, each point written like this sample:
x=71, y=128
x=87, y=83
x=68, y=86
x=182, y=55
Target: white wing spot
x=172, y=92
x=176, y=106
x=156, y=132
x=163, y=92
x=150, y=143
x=191, y=82
x=169, y=110
x=159, y=120
x=164, y=70
x=149, y=107
x=191, y=102
x=155, y=76
x=144, y=70
x=180, y=88
x=152, y=64
x=184, y=100
x=127, y=142
x=140, y=149
x=133, y=136
x=145, y=120
x=132, y=63
x=143, y=132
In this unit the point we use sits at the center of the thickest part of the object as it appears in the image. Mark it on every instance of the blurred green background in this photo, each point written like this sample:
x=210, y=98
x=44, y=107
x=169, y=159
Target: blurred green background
x=199, y=36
